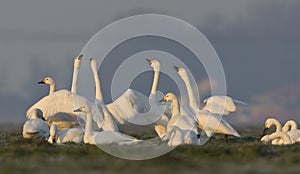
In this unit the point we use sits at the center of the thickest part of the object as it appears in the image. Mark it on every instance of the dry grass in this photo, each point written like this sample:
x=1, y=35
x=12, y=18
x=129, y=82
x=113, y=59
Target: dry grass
x=245, y=155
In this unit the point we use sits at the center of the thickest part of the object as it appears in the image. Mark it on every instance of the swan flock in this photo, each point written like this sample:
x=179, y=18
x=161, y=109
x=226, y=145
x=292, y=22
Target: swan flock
x=63, y=116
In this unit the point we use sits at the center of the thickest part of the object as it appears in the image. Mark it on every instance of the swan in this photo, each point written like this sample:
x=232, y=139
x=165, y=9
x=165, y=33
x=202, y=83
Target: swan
x=289, y=125
x=64, y=101
x=49, y=81
x=64, y=120
x=35, y=127
x=209, y=122
x=285, y=139
x=103, y=137
x=181, y=128
x=132, y=102
x=109, y=123
x=221, y=105
x=72, y=135
x=293, y=133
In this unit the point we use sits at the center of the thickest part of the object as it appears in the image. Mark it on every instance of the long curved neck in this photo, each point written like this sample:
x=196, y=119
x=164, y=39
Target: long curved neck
x=175, y=107
x=75, y=76
x=192, y=100
x=88, y=125
x=277, y=125
x=97, y=84
x=155, y=82
x=52, y=88
x=289, y=125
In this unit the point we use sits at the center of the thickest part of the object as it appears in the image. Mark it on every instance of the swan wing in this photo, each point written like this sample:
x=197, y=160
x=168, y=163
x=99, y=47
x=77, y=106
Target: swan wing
x=221, y=105
x=214, y=123
x=109, y=137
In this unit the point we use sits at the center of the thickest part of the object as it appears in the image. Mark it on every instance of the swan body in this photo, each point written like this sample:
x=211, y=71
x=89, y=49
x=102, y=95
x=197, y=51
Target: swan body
x=35, y=127
x=103, y=137
x=285, y=139
x=63, y=121
x=108, y=121
x=131, y=103
x=72, y=135
x=221, y=105
x=181, y=128
x=206, y=121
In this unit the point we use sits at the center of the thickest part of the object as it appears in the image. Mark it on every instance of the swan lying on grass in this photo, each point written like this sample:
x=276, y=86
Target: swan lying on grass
x=35, y=127
x=72, y=135
x=103, y=137
x=285, y=139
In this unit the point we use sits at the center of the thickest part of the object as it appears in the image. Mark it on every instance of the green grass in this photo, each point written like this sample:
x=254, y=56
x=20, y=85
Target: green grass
x=245, y=155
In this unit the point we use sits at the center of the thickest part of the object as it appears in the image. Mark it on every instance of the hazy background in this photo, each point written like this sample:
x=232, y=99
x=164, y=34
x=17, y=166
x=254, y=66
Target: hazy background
x=257, y=41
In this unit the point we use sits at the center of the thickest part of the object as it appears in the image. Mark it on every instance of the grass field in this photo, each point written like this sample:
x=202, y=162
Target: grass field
x=245, y=155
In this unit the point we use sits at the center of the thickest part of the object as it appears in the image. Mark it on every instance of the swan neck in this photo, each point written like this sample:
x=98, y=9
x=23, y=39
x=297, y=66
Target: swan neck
x=277, y=125
x=75, y=77
x=175, y=107
x=52, y=88
x=97, y=85
x=191, y=95
x=88, y=125
x=155, y=82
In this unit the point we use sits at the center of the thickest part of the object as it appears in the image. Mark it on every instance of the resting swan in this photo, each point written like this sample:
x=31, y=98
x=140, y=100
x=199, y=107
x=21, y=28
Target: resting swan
x=206, y=121
x=181, y=129
x=35, y=127
x=103, y=137
x=72, y=135
x=285, y=139
x=108, y=123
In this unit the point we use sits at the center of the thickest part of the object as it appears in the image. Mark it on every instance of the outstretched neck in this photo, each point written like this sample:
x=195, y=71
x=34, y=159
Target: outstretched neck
x=88, y=126
x=175, y=107
x=74, y=82
x=97, y=83
x=52, y=88
x=191, y=96
x=155, y=82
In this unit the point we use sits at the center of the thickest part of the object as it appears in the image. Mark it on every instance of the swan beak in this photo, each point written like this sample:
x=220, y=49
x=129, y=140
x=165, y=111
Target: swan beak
x=79, y=57
x=41, y=82
x=149, y=61
x=77, y=110
x=176, y=68
x=162, y=100
x=264, y=131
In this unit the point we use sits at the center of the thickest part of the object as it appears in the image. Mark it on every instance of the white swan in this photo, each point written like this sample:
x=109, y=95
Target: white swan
x=285, y=139
x=290, y=128
x=103, y=137
x=207, y=121
x=181, y=128
x=289, y=125
x=64, y=101
x=64, y=120
x=131, y=103
x=221, y=105
x=108, y=123
x=72, y=135
x=49, y=81
x=35, y=127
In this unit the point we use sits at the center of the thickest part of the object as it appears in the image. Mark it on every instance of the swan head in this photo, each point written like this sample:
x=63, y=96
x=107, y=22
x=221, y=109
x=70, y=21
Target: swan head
x=77, y=60
x=35, y=113
x=47, y=80
x=84, y=109
x=154, y=64
x=181, y=71
x=168, y=97
x=269, y=122
x=93, y=64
